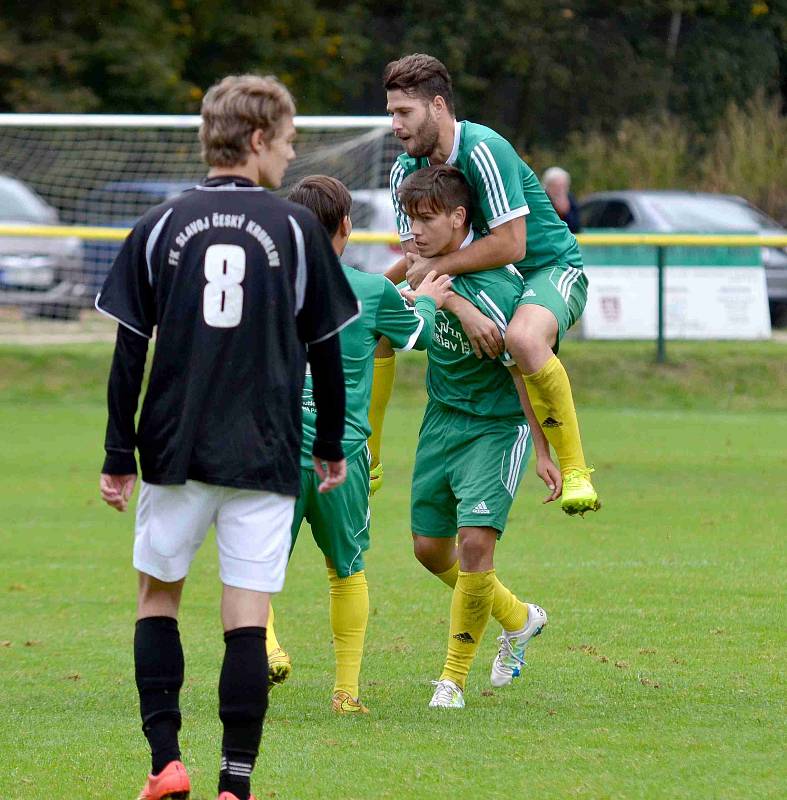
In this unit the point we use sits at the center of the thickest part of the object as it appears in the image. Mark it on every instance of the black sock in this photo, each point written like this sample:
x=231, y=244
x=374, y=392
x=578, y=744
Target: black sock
x=243, y=700
x=158, y=661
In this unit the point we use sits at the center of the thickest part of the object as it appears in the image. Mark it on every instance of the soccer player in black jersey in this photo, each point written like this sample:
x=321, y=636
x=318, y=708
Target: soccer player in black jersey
x=242, y=288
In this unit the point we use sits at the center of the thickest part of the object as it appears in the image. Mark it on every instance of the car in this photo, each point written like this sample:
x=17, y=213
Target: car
x=43, y=276
x=637, y=211
x=119, y=204
x=372, y=210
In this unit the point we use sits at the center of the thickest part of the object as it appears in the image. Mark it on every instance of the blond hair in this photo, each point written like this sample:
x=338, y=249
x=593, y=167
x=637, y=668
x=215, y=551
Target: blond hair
x=233, y=109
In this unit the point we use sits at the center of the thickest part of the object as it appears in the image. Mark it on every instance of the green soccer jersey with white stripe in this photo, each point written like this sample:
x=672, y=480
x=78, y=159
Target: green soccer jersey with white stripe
x=482, y=387
x=383, y=312
x=504, y=188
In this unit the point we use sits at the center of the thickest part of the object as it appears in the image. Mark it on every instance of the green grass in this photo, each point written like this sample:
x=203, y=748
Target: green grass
x=660, y=675
x=723, y=376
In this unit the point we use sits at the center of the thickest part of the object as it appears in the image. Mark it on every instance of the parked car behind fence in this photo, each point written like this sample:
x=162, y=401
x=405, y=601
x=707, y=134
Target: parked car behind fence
x=633, y=211
x=119, y=204
x=44, y=276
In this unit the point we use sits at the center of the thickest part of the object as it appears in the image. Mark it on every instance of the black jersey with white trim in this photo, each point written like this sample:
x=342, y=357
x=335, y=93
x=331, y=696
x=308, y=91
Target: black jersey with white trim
x=236, y=283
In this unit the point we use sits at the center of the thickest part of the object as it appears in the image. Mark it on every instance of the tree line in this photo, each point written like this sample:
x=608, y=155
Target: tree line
x=542, y=72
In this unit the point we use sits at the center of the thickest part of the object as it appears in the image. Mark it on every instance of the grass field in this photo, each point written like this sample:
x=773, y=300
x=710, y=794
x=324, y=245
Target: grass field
x=661, y=674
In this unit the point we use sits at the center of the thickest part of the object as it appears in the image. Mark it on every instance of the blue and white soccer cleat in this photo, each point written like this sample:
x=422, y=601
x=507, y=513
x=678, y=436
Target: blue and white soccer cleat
x=447, y=695
x=510, y=658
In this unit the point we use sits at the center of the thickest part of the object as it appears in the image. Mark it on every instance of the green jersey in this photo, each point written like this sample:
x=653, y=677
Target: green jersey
x=383, y=313
x=504, y=188
x=455, y=377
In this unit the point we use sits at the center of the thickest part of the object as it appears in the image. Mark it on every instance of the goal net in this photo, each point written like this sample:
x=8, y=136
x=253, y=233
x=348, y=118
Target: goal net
x=61, y=171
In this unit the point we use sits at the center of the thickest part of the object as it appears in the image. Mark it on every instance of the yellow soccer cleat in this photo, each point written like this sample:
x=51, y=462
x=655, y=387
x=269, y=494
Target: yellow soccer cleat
x=343, y=703
x=579, y=495
x=279, y=666
x=375, y=478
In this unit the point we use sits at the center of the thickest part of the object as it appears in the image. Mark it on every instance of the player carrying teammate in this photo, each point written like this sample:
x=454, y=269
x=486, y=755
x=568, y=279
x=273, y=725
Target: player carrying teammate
x=473, y=446
x=505, y=190
x=236, y=282
x=340, y=521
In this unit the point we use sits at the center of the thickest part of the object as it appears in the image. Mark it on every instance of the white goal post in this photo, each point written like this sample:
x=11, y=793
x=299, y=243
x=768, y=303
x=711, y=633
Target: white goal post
x=72, y=184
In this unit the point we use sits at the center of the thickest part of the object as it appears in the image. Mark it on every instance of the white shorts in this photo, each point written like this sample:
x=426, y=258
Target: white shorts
x=253, y=533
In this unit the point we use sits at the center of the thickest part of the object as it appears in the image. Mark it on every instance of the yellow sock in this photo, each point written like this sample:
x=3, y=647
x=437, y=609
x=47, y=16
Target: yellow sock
x=507, y=608
x=349, y=615
x=471, y=605
x=271, y=642
x=382, y=386
x=450, y=575
x=549, y=391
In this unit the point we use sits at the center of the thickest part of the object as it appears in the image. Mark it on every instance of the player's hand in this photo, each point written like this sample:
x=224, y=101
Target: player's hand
x=483, y=334
x=116, y=490
x=550, y=474
x=438, y=287
x=332, y=474
x=418, y=268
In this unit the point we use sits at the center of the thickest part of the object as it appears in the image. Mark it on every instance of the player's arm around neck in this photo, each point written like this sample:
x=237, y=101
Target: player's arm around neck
x=505, y=244
x=398, y=271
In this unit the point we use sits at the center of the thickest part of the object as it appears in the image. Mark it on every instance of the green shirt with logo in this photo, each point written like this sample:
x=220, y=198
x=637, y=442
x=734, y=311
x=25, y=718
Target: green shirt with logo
x=455, y=377
x=504, y=188
x=384, y=312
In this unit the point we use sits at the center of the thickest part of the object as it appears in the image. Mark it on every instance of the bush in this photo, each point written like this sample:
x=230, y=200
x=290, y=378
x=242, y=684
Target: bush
x=643, y=153
x=745, y=155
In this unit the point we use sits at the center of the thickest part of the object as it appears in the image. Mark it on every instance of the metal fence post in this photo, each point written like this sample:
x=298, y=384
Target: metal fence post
x=661, y=348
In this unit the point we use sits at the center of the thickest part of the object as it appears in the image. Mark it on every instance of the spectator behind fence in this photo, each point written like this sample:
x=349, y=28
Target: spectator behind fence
x=557, y=182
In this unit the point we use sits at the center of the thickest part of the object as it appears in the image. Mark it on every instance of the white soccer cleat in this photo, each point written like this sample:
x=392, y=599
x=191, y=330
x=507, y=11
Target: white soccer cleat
x=510, y=657
x=447, y=695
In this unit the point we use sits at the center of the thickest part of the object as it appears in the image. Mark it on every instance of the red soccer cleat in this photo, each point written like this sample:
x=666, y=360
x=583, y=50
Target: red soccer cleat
x=172, y=783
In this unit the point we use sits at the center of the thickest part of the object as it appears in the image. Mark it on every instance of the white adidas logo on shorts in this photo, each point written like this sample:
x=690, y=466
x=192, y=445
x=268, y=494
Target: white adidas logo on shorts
x=481, y=509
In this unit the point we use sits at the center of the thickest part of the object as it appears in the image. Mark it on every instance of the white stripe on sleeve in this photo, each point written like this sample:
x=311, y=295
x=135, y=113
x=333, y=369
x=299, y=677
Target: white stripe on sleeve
x=493, y=205
x=497, y=179
x=402, y=220
x=522, y=211
x=117, y=319
x=301, y=273
x=151, y=243
x=502, y=201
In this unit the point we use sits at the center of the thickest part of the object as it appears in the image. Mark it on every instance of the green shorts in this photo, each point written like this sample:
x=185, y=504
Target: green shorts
x=340, y=519
x=563, y=289
x=467, y=470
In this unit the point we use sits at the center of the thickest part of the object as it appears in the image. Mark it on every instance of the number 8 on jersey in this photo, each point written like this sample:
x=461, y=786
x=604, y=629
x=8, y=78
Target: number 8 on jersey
x=222, y=300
